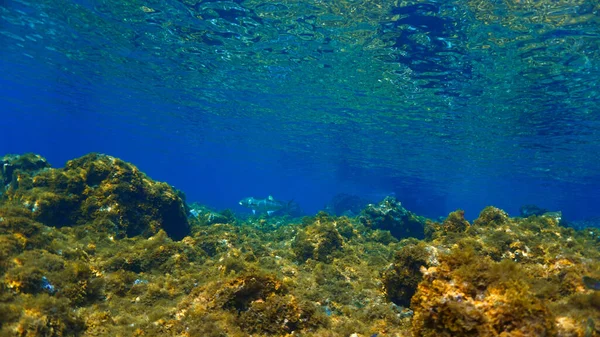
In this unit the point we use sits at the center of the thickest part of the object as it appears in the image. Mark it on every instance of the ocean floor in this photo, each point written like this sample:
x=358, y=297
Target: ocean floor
x=97, y=248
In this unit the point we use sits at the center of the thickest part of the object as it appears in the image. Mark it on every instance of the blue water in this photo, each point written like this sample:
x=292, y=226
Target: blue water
x=447, y=105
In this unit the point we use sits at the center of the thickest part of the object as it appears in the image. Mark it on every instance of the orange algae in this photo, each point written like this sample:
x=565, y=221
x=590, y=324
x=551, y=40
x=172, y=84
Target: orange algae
x=95, y=274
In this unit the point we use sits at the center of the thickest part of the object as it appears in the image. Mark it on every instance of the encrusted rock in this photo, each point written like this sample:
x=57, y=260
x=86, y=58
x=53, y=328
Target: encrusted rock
x=319, y=241
x=390, y=215
x=401, y=279
x=105, y=191
x=14, y=166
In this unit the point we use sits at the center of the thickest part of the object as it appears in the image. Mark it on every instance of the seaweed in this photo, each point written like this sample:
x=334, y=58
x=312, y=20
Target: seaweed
x=71, y=264
x=401, y=279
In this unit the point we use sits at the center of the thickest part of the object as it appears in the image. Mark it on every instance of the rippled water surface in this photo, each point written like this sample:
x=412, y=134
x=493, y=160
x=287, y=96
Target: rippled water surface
x=429, y=91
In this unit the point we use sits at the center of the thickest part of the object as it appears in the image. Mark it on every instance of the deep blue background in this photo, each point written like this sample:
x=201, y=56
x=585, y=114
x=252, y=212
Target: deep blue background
x=46, y=109
x=62, y=121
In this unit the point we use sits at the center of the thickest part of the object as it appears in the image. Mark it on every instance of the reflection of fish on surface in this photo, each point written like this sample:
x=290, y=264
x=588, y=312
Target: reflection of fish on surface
x=268, y=205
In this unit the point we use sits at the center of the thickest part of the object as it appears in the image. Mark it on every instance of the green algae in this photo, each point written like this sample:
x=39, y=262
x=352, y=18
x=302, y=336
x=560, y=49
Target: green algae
x=505, y=276
x=319, y=241
x=100, y=188
x=400, y=281
x=391, y=216
x=318, y=276
x=15, y=169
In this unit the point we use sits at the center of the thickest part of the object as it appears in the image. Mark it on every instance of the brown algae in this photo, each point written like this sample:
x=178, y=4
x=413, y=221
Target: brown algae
x=99, y=249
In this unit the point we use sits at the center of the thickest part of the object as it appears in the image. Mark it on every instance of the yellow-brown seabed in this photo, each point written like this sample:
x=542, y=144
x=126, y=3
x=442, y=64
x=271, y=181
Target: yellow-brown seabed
x=99, y=249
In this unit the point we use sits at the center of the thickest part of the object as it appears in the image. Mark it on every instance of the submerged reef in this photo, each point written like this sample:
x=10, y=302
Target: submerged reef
x=504, y=276
x=12, y=167
x=99, y=191
x=89, y=272
x=390, y=215
x=207, y=216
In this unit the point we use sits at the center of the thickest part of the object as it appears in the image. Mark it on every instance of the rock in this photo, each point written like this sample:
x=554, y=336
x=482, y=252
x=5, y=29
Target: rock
x=402, y=277
x=12, y=166
x=318, y=241
x=390, y=215
x=106, y=192
x=529, y=210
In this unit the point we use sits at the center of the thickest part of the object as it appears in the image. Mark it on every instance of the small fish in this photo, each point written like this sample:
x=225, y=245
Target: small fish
x=591, y=283
x=268, y=205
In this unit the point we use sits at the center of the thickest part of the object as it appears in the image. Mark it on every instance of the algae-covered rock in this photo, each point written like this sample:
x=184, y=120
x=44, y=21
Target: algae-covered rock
x=13, y=168
x=506, y=277
x=239, y=293
x=253, y=303
x=38, y=271
x=19, y=232
x=326, y=276
x=42, y=315
x=207, y=216
x=452, y=227
x=319, y=241
x=470, y=295
x=157, y=253
x=492, y=216
x=401, y=279
x=280, y=315
x=40, y=289
x=390, y=215
x=100, y=189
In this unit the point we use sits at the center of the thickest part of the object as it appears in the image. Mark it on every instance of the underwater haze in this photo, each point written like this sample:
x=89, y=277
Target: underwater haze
x=306, y=168
x=445, y=104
